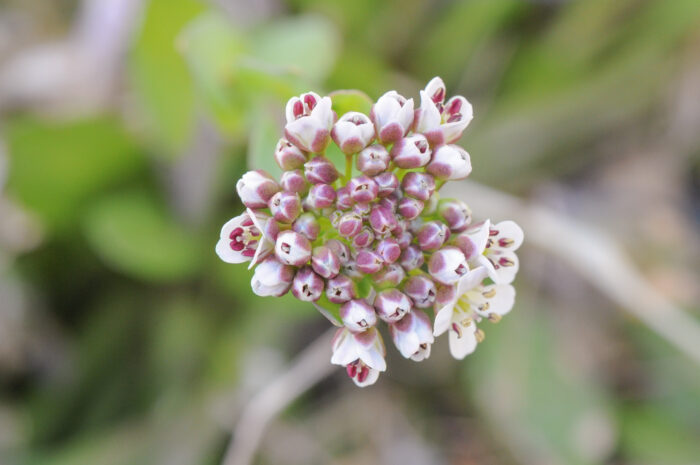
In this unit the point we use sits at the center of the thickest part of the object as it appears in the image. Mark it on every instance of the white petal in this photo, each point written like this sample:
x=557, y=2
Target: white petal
x=386, y=108
x=462, y=346
x=429, y=116
x=323, y=112
x=480, y=235
x=470, y=280
x=303, y=130
x=227, y=254
x=371, y=378
x=406, y=114
x=511, y=230
x=434, y=84
x=344, y=348
x=443, y=318
x=373, y=358
x=289, y=109
x=504, y=299
x=264, y=249
x=506, y=274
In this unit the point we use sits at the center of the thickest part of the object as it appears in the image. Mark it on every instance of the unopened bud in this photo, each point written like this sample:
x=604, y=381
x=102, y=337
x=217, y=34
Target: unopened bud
x=307, y=225
x=256, y=188
x=363, y=189
x=448, y=265
x=292, y=248
x=392, y=305
x=320, y=170
x=421, y=290
x=387, y=183
x=307, y=285
x=418, y=185
x=357, y=315
x=325, y=262
x=285, y=206
x=288, y=155
x=341, y=289
x=373, y=160
x=411, y=152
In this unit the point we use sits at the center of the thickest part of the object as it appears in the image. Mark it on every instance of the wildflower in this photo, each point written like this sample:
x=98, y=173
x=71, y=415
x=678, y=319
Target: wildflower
x=440, y=122
x=361, y=353
x=493, y=246
x=353, y=132
x=392, y=116
x=413, y=335
x=309, y=122
x=248, y=237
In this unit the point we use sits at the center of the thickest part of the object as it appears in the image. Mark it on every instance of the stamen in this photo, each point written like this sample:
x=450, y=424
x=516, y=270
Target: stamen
x=439, y=95
x=310, y=101
x=457, y=330
x=235, y=234
x=364, y=372
x=503, y=261
x=493, y=232
x=455, y=117
x=480, y=335
x=505, y=242
x=351, y=368
x=490, y=293
x=298, y=109
x=236, y=245
x=494, y=317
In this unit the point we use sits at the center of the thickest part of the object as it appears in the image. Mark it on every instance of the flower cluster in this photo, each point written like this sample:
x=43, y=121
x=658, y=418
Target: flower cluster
x=376, y=243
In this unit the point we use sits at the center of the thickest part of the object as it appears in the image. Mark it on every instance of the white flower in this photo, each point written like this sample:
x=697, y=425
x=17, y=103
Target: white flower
x=309, y=121
x=248, y=237
x=392, y=115
x=361, y=353
x=493, y=246
x=256, y=188
x=272, y=278
x=353, y=132
x=441, y=123
x=413, y=335
x=460, y=307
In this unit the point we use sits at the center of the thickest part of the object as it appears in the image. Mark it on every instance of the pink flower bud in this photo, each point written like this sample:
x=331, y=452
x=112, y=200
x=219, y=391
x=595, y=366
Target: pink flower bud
x=392, y=116
x=411, y=152
x=447, y=265
x=353, y=132
x=325, y=262
x=411, y=258
x=285, y=206
x=320, y=170
x=418, y=185
x=404, y=239
x=350, y=269
x=391, y=305
x=307, y=225
x=390, y=202
x=421, y=290
x=272, y=278
x=388, y=249
x=390, y=276
x=292, y=248
x=320, y=196
x=361, y=209
x=256, y=188
x=307, y=285
x=413, y=335
x=387, y=183
x=357, y=315
x=432, y=235
x=288, y=155
x=450, y=162
x=409, y=207
x=349, y=224
x=373, y=160
x=368, y=261
x=294, y=181
x=340, y=249
x=309, y=122
x=343, y=198
x=455, y=213
x=363, y=189
x=341, y=289
x=382, y=219
x=363, y=239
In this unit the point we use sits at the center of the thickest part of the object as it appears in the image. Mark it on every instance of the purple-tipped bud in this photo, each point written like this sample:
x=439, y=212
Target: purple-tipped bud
x=413, y=335
x=292, y=248
x=363, y=189
x=401, y=227
x=388, y=249
x=392, y=116
x=340, y=249
x=288, y=155
x=391, y=305
x=382, y=219
x=294, y=181
x=350, y=269
x=389, y=202
x=349, y=224
x=448, y=265
x=450, y=162
x=455, y=213
x=432, y=235
x=341, y=289
x=411, y=152
x=373, y=160
x=409, y=207
x=353, y=132
x=364, y=238
x=404, y=239
x=421, y=290
x=307, y=225
x=307, y=285
x=256, y=188
x=320, y=170
x=362, y=209
x=325, y=262
x=357, y=315
x=368, y=262
x=343, y=199
x=285, y=206
x=387, y=183
x=418, y=185
x=390, y=276
x=411, y=258
x=321, y=196
x=272, y=278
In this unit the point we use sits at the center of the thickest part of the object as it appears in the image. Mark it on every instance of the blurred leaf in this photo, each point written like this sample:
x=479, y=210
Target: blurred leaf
x=306, y=45
x=55, y=167
x=264, y=134
x=134, y=235
x=350, y=100
x=160, y=76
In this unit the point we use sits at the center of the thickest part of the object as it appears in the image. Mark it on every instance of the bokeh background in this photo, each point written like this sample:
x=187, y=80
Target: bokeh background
x=124, y=125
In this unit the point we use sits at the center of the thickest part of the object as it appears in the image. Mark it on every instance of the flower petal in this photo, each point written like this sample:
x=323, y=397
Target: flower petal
x=461, y=346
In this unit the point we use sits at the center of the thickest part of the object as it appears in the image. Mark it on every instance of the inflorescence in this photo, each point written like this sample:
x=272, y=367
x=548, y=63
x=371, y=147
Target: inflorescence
x=380, y=245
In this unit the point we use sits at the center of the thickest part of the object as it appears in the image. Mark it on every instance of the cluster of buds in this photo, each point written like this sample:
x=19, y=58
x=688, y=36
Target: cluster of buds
x=376, y=243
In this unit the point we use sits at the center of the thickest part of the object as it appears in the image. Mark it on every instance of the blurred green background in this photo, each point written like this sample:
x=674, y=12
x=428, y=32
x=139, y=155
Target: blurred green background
x=124, y=125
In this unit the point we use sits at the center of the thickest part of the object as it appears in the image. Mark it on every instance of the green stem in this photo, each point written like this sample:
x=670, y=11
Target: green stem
x=348, y=167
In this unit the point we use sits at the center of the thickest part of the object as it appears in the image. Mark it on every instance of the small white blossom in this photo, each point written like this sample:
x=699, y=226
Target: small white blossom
x=361, y=353
x=440, y=122
x=248, y=237
x=309, y=121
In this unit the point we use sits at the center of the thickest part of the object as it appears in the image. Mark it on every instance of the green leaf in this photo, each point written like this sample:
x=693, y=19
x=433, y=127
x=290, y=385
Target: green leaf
x=264, y=134
x=350, y=100
x=55, y=167
x=134, y=235
x=160, y=77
